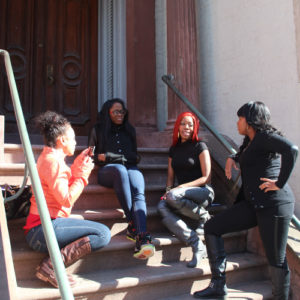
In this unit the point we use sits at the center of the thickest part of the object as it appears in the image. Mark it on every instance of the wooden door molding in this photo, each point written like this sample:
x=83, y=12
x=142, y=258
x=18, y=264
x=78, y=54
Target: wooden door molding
x=54, y=49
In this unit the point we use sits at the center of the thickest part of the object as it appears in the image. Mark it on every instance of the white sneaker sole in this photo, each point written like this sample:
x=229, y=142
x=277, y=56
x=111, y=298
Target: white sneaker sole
x=145, y=252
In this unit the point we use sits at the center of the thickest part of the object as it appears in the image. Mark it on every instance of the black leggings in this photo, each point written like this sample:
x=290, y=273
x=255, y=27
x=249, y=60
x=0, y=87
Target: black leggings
x=273, y=224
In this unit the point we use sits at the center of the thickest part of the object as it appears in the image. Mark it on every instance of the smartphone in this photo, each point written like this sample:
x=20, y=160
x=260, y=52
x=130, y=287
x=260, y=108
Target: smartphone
x=91, y=151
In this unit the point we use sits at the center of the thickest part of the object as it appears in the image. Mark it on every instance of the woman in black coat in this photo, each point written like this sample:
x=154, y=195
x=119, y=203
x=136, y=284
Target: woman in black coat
x=266, y=160
x=116, y=155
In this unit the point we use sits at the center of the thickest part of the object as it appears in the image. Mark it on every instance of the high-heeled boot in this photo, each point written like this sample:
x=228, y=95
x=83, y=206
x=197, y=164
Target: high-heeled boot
x=198, y=248
x=217, y=259
x=183, y=233
x=70, y=254
x=280, y=278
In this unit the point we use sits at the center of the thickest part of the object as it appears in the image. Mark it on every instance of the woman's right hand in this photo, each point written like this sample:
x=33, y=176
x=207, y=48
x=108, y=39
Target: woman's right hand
x=163, y=197
x=83, y=166
x=230, y=163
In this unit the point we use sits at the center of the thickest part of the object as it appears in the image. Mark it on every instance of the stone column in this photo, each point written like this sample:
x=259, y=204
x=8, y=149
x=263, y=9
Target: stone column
x=161, y=62
x=182, y=55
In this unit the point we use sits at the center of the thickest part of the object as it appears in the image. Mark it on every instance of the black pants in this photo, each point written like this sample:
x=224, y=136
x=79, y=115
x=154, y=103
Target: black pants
x=273, y=224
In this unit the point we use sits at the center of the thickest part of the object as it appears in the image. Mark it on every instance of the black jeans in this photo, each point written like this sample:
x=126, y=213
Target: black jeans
x=273, y=224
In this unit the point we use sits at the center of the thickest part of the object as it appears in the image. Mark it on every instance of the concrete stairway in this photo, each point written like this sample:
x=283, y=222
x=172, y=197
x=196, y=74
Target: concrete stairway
x=112, y=272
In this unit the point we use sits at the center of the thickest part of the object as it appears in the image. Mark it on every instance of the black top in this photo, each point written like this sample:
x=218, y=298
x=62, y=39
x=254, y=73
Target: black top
x=185, y=160
x=261, y=159
x=120, y=147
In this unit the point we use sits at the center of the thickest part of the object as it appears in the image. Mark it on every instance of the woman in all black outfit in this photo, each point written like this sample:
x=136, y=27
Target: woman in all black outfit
x=114, y=139
x=265, y=200
x=189, y=162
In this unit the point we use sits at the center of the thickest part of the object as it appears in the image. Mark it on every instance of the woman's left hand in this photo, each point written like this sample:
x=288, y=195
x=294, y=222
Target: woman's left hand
x=268, y=185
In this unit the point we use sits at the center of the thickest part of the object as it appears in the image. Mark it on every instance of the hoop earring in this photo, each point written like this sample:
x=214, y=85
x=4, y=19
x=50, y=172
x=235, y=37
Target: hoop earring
x=178, y=135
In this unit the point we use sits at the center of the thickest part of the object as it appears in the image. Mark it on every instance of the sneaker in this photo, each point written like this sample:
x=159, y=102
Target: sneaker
x=144, y=248
x=131, y=232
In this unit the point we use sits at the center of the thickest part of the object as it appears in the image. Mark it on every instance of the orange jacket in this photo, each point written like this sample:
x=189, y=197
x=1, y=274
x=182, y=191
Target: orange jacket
x=61, y=189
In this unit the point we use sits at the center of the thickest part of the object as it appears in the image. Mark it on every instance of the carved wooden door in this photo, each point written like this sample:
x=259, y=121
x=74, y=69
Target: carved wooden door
x=53, y=48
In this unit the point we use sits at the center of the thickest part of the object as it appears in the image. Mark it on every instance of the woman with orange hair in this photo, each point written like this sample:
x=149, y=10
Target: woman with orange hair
x=189, y=162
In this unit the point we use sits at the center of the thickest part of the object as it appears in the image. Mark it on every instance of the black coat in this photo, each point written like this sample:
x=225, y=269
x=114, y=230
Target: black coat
x=119, y=146
x=271, y=156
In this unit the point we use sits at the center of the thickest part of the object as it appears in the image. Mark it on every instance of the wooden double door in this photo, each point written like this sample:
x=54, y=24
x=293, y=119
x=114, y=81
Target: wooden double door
x=53, y=46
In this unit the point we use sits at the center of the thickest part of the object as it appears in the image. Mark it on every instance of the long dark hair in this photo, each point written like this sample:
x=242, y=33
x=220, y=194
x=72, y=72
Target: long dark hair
x=51, y=125
x=104, y=123
x=258, y=116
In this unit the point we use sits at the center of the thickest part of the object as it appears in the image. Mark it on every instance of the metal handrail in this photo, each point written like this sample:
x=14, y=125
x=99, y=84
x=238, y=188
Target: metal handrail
x=20, y=191
x=49, y=233
x=168, y=79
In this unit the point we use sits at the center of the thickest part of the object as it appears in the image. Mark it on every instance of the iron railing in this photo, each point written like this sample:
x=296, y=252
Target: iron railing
x=168, y=79
x=49, y=233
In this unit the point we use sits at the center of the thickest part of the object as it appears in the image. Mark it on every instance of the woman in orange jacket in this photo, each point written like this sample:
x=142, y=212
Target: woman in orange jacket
x=62, y=186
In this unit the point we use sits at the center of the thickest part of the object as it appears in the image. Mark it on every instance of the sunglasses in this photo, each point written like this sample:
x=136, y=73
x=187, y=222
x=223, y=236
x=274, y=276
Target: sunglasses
x=119, y=112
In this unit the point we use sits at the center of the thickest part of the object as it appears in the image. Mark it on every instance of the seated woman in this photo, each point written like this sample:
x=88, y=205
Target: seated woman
x=116, y=154
x=62, y=186
x=189, y=161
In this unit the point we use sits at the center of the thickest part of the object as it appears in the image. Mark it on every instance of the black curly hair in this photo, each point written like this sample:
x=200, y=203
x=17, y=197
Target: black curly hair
x=51, y=125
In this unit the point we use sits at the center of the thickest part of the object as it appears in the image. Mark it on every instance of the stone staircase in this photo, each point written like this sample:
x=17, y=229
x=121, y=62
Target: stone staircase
x=112, y=273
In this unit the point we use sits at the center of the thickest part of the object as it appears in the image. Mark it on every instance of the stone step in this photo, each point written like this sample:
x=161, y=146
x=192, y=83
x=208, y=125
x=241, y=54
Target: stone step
x=13, y=153
x=256, y=290
x=13, y=173
x=113, y=218
x=148, y=281
x=119, y=254
x=96, y=197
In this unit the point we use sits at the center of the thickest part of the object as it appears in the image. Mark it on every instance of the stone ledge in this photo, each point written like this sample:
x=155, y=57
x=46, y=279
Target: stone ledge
x=293, y=255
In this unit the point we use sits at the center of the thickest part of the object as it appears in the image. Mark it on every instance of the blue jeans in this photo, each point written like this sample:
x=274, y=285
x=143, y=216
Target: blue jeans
x=68, y=230
x=129, y=186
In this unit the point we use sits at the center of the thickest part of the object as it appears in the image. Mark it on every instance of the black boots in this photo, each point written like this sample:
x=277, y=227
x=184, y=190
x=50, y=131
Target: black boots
x=280, y=282
x=217, y=259
x=177, y=226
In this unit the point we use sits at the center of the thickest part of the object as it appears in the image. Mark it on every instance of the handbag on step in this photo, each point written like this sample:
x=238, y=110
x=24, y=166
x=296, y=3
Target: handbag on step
x=19, y=207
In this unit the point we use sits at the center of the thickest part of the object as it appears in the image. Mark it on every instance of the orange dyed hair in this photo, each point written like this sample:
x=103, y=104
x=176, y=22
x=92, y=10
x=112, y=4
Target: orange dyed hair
x=195, y=137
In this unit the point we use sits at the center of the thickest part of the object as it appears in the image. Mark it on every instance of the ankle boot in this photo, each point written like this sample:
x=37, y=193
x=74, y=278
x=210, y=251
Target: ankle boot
x=182, y=232
x=217, y=259
x=74, y=251
x=199, y=252
x=70, y=254
x=280, y=282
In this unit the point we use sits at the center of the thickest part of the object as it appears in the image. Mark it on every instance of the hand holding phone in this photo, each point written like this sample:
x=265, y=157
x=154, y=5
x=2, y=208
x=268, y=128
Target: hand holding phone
x=91, y=151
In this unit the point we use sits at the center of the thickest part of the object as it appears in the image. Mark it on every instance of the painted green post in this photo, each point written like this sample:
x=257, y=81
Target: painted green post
x=52, y=244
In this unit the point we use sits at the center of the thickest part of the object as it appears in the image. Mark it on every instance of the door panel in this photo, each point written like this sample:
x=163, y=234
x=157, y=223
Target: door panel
x=56, y=62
